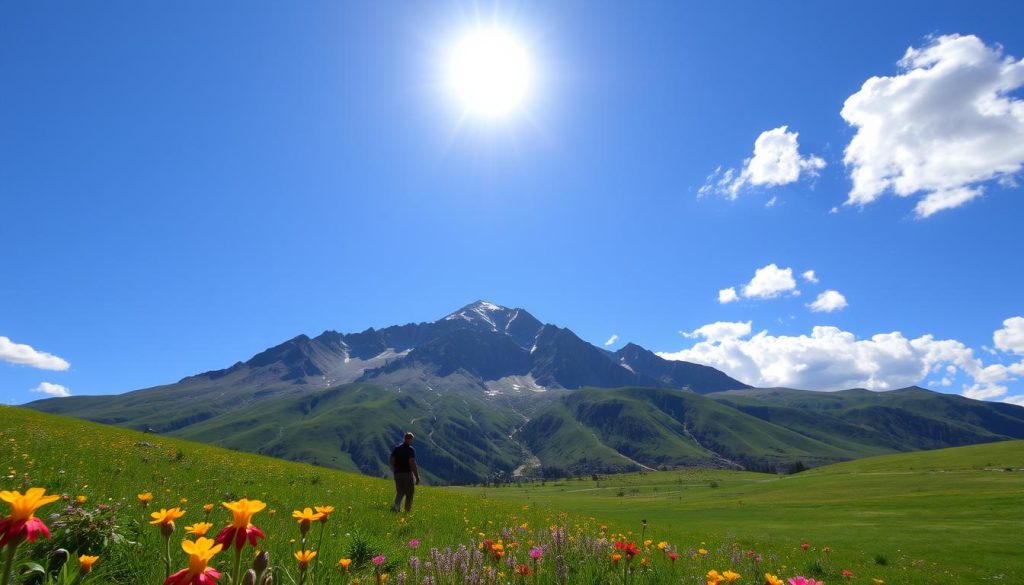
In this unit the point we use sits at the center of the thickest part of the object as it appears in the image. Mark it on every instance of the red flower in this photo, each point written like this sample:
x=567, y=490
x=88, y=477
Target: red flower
x=241, y=528
x=184, y=577
x=22, y=523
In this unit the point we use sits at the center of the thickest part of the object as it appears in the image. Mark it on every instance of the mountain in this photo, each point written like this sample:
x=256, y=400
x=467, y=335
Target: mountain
x=492, y=391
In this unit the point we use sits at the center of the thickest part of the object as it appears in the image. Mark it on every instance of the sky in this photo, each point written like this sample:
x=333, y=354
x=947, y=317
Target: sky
x=800, y=194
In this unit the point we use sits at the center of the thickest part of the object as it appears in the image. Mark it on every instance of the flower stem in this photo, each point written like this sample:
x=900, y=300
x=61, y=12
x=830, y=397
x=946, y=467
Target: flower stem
x=8, y=563
x=167, y=556
x=238, y=564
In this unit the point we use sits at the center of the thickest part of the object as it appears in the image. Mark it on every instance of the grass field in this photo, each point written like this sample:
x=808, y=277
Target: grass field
x=952, y=516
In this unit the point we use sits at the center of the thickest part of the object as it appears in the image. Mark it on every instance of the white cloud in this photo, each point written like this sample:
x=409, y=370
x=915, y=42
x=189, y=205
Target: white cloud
x=771, y=202
x=828, y=301
x=22, y=354
x=941, y=127
x=1011, y=337
x=776, y=161
x=770, y=281
x=832, y=359
x=721, y=330
x=1018, y=400
x=809, y=276
x=727, y=295
x=612, y=340
x=52, y=389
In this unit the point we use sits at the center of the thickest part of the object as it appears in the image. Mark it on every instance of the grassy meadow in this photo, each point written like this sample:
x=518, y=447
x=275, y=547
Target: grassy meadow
x=951, y=516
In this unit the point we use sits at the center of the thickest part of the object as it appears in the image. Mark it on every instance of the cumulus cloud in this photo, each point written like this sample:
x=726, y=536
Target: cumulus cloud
x=942, y=127
x=26, y=355
x=612, y=340
x=832, y=359
x=52, y=389
x=721, y=330
x=727, y=295
x=809, y=276
x=769, y=282
x=776, y=161
x=1011, y=337
x=828, y=301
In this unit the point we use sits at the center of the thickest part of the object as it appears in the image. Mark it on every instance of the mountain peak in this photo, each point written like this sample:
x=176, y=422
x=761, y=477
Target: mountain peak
x=481, y=312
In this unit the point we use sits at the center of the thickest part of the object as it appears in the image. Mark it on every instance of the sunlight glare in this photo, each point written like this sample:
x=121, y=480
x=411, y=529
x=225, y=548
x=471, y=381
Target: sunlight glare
x=490, y=72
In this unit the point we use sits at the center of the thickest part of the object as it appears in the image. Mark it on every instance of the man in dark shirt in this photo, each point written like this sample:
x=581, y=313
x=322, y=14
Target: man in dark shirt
x=403, y=463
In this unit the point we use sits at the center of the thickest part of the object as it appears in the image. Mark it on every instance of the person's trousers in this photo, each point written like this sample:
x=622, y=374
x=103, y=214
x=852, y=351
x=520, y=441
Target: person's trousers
x=404, y=488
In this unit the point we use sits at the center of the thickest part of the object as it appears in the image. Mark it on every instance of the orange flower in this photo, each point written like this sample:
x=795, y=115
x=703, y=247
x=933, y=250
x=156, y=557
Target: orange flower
x=616, y=557
x=770, y=579
x=326, y=511
x=344, y=564
x=306, y=517
x=199, y=528
x=22, y=523
x=731, y=576
x=304, y=557
x=145, y=498
x=165, y=518
x=198, y=572
x=241, y=528
x=207, y=508
x=85, y=563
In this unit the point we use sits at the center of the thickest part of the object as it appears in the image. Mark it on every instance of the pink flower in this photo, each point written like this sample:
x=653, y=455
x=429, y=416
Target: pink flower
x=378, y=560
x=414, y=543
x=805, y=546
x=804, y=581
x=847, y=573
x=536, y=552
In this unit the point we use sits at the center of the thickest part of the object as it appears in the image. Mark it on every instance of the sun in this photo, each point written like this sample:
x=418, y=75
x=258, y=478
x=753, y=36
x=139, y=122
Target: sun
x=490, y=72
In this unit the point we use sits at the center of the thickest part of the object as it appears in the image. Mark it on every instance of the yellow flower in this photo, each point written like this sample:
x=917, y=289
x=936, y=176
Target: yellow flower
x=166, y=517
x=714, y=578
x=85, y=563
x=199, y=528
x=199, y=554
x=243, y=510
x=344, y=564
x=616, y=557
x=207, y=508
x=145, y=498
x=183, y=500
x=304, y=557
x=383, y=577
x=702, y=551
x=770, y=579
x=327, y=511
x=648, y=542
x=81, y=499
x=731, y=576
x=305, y=518
x=662, y=545
x=878, y=581
x=23, y=507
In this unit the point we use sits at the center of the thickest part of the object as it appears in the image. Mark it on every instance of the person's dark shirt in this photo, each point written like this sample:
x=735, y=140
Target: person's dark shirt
x=402, y=453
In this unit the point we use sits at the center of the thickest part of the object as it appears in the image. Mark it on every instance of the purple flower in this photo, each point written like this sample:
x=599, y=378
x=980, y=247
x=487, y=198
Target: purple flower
x=536, y=552
x=378, y=560
x=414, y=543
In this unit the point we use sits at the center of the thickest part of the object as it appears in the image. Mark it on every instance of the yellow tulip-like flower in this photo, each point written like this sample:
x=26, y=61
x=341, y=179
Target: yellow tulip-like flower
x=199, y=528
x=327, y=511
x=145, y=498
x=165, y=518
x=714, y=578
x=241, y=529
x=85, y=563
x=304, y=557
x=770, y=579
x=344, y=564
x=198, y=572
x=731, y=576
x=306, y=517
x=22, y=523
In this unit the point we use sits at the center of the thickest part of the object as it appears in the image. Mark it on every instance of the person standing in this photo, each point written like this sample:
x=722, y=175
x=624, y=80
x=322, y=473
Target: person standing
x=403, y=464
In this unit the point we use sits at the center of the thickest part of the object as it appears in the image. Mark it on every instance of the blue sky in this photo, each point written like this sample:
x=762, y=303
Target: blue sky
x=183, y=186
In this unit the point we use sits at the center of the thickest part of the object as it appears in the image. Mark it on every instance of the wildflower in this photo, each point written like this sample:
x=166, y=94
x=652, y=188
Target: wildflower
x=414, y=543
x=672, y=556
x=616, y=557
x=344, y=564
x=523, y=570
x=306, y=517
x=325, y=512
x=804, y=581
x=198, y=573
x=662, y=545
x=304, y=557
x=714, y=578
x=81, y=499
x=702, y=552
x=165, y=518
x=536, y=553
x=199, y=528
x=378, y=560
x=731, y=576
x=85, y=563
x=826, y=549
x=241, y=527
x=770, y=579
x=22, y=523
x=878, y=581
x=207, y=508
x=145, y=498
x=805, y=546
x=648, y=542
x=848, y=574
x=183, y=501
